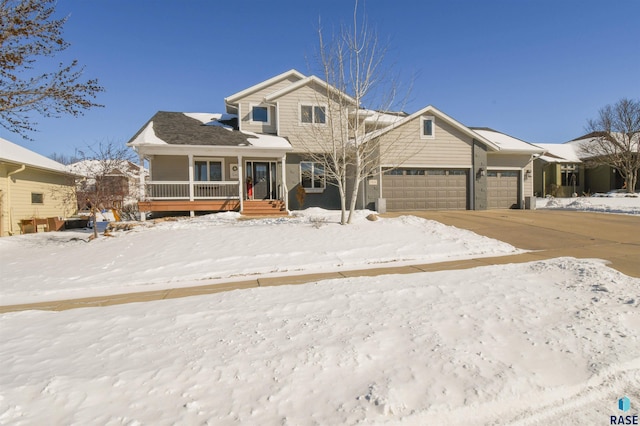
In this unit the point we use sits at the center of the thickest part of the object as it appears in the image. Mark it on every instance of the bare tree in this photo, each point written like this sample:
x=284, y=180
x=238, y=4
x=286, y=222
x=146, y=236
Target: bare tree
x=615, y=140
x=354, y=76
x=65, y=158
x=28, y=32
x=108, y=175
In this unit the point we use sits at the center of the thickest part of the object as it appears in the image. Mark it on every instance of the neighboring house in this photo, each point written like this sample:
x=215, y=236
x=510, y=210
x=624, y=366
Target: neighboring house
x=559, y=172
x=32, y=186
x=565, y=169
x=599, y=178
x=254, y=157
x=117, y=181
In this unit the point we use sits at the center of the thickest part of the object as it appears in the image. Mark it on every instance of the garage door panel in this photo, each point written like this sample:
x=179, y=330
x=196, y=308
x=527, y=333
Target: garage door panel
x=425, y=189
x=502, y=189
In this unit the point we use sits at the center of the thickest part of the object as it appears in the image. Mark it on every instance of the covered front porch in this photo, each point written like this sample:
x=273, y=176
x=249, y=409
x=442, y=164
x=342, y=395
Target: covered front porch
x=251, y=185
x=198, y=163
x=211, y=179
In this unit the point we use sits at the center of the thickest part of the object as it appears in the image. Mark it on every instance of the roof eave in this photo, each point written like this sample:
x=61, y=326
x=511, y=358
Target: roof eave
x=231, y=100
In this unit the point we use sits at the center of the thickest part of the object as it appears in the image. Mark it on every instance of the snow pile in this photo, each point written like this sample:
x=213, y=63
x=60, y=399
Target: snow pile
x=551, y=342
x=222, y=248
x=601, y=203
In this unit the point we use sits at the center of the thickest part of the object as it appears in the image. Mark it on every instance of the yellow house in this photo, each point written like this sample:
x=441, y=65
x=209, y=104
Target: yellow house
x=32, y=186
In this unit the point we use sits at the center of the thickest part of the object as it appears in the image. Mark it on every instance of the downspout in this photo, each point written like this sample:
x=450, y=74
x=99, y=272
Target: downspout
x=20, y=169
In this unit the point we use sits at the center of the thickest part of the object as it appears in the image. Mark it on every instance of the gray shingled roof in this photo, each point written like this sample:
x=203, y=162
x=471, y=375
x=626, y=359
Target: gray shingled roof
x=175, y=128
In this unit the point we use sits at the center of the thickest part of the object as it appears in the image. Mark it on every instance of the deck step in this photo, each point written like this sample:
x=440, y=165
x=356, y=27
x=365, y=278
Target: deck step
x=264, y=208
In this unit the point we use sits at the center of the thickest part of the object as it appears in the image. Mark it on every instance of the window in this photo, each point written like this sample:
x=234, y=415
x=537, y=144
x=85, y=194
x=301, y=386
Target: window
x=207, y=170
x=427, y=128
x=260, y=114
x=313, y=114
x=37, y=198
x=312, y=176
x=570, y=175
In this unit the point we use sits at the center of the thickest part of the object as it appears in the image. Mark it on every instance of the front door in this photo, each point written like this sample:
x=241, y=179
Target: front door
x=261, y=185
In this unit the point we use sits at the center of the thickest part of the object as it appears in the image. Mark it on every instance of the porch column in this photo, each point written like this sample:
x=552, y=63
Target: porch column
x=240, y=182
x=191, y=212
x=142, y=193
x=285, y=194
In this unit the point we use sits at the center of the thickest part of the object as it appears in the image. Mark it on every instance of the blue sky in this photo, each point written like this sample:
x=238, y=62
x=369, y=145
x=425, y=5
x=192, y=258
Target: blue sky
x=535, y=69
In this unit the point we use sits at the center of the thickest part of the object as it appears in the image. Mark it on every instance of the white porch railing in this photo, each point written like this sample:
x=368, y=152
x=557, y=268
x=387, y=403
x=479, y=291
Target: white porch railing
x=174, y=190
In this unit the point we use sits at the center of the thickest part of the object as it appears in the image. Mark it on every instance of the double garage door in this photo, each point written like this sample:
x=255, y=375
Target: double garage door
x=425, y=189
x=502, y=189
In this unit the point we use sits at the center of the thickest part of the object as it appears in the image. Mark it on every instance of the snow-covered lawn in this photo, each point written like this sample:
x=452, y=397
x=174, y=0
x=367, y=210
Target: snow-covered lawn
x=550, y=342
x=612, y=202
x=221, y=248
x=553, y=342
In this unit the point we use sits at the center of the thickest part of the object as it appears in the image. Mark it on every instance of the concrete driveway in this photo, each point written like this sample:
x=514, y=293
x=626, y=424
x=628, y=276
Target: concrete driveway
x=554, y=233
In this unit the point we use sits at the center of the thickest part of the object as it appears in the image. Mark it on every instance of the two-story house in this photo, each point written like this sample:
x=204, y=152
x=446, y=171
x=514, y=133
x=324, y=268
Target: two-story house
x=255, y=157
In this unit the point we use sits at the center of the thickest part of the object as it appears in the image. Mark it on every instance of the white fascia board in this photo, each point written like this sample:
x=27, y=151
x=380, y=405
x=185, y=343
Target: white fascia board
x=205, y=150
x=230, y=100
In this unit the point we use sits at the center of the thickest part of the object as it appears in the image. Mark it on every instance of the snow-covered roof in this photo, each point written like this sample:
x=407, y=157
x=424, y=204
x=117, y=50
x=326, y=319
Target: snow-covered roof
x=581, y=143
x=13, y=153
x=215, y=119
x=506, y=143
x=559, y=153
x=91, y=168
x=382, y=117
x=201, y=129
x=267, y=141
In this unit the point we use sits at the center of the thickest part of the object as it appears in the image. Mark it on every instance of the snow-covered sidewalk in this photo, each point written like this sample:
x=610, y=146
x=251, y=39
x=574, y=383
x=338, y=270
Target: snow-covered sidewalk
x=552, y=342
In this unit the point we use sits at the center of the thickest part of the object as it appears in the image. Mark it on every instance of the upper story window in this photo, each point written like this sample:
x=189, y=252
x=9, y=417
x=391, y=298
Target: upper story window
x=260, y=114
x=313, y=114
x=427, y=127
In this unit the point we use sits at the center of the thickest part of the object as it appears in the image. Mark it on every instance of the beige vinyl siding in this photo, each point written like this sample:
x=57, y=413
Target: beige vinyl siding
x=307, y=137
x=404, y=146
x=508, y=160
x=170, y=168
x=176, y=167
x=58, y=196
x=257, y=98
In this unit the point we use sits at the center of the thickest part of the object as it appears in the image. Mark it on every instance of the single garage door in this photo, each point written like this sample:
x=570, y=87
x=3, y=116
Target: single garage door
x=425, y=189
x=502, y=189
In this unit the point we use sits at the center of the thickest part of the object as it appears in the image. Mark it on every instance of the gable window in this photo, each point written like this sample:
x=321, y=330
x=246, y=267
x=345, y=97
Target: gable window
x=260, y=114
x=312, y=176
x=207, y=170
x=37, y=198
x=316, y=114
x=427, y=128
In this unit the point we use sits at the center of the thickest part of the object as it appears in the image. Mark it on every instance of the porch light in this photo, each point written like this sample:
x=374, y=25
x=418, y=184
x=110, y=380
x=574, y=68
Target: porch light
x=482, y=171
x=527, y=174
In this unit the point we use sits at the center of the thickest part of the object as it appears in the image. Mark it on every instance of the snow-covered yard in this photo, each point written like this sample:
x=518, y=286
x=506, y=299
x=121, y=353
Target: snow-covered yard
x=221, y=248
x=611, y=202
x=549, y=342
